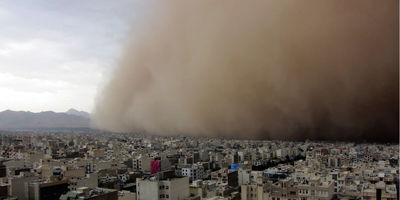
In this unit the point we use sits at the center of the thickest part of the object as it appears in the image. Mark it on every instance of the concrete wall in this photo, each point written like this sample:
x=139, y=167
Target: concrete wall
x=19, y=186
x=146, y=190
x=179, y=188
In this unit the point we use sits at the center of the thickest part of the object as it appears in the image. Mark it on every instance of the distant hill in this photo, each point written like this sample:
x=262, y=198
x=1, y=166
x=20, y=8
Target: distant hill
x=28, y=120
x=78, y=113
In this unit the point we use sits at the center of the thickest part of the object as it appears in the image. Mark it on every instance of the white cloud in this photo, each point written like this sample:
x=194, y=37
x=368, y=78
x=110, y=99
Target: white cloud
x=54, y=54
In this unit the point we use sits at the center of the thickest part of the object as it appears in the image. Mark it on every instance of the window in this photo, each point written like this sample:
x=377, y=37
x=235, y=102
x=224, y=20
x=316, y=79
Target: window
x=167, y=196
x=167, y=187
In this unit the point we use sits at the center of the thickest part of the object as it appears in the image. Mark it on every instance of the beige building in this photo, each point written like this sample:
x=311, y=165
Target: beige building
x=18, y=185
x=171, y=189
x=254, y=192
x=289, y=189
x=141, y=163
x=316, y=189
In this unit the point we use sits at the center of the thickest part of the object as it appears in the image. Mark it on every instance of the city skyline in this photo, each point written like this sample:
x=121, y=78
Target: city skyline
x=317, y=70
x=199, y=100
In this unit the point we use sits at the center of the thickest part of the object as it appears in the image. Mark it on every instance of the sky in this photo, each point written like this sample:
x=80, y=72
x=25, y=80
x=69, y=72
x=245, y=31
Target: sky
x=54, y=55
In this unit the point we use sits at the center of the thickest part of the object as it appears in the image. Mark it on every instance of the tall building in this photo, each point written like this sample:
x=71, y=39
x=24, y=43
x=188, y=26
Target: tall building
x=152, y=188
x=18, y=185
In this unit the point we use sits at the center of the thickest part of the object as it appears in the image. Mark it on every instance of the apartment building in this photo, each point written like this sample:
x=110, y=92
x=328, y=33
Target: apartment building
x=194, y=172
x=152, y=188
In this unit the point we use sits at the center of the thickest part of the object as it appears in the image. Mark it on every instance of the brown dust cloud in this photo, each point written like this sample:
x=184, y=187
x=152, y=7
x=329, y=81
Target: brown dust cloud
x=295, y=70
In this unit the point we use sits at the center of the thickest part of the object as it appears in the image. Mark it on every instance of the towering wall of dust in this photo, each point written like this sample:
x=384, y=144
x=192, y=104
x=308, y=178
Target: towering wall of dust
x=259, y=69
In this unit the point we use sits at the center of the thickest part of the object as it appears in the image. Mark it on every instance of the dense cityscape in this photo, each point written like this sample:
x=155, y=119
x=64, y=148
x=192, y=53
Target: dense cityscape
x=101, y=166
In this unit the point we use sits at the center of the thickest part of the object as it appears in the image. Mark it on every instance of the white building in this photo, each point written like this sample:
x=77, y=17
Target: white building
x=243, y=177
x=170, y=189
x=194, y=173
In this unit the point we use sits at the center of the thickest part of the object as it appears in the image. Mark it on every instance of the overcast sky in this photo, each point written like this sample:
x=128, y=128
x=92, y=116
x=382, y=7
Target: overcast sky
x=54, y=55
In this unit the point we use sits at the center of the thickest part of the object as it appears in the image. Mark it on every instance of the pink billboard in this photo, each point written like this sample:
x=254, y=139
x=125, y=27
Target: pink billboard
x=155, y=166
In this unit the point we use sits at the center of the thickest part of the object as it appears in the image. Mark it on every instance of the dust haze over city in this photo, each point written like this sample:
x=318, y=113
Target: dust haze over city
x=199, y=100
x=289, y=70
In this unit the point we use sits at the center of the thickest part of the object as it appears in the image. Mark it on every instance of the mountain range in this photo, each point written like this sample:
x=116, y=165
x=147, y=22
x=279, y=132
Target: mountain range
x=14, y=120
x=78, y=113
